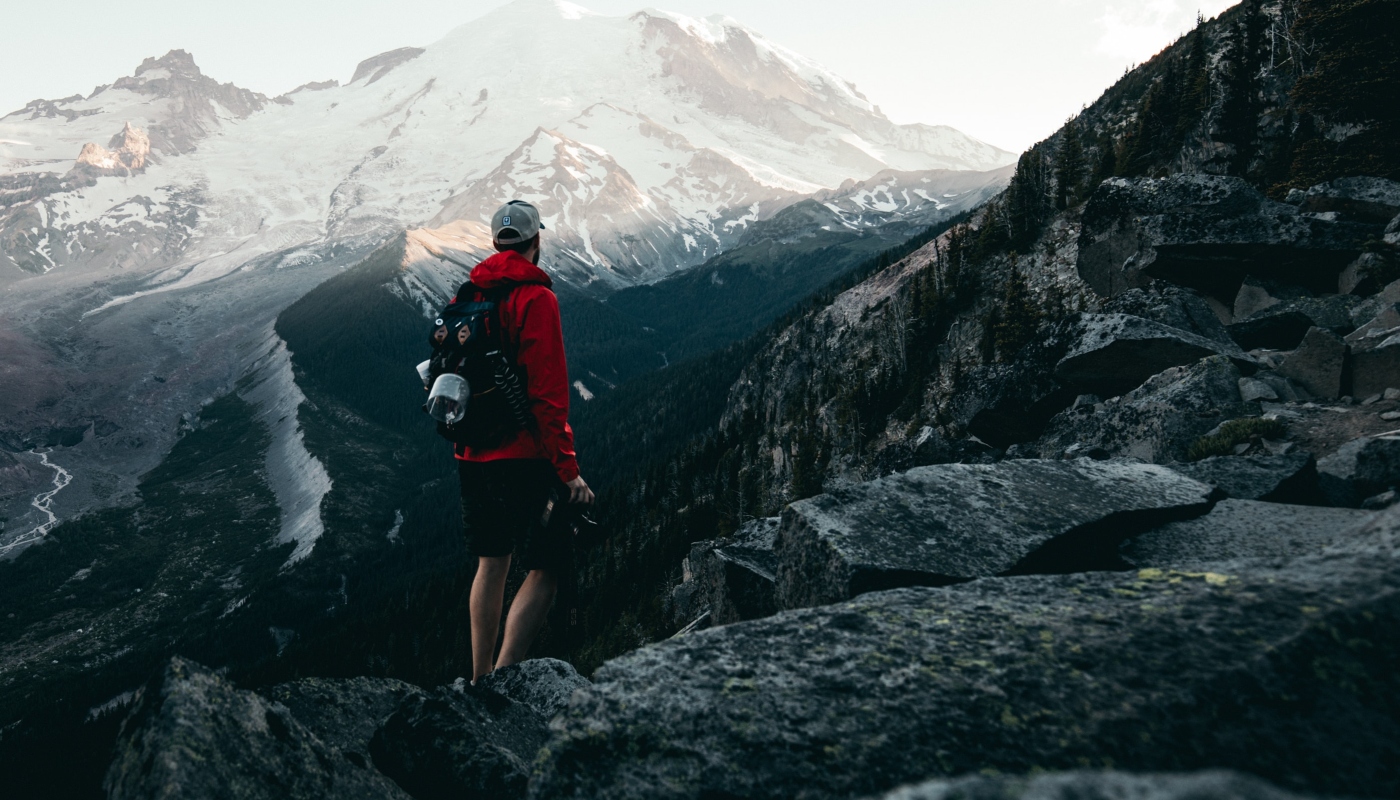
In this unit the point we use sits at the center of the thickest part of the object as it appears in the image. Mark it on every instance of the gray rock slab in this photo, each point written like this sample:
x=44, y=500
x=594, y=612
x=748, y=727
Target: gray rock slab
x=1375, y=362
x=468, y=743
x=1102, y=354
x=193, y=734
x=1318, y=363
x=955, y=522
x=1156, y=422
x=1099, y=785
x=343, y=713
x=1257, y=294
x=1282, y=670
x=731, y=579
x=1208, y=232
x=1115, y=353
x=543, y=684
x=1173, y=306
x=1237, y=529
x=1360, y=469
x=1370, y=199
x=1282, y=326
x=1366, y=275
x=1290, y=478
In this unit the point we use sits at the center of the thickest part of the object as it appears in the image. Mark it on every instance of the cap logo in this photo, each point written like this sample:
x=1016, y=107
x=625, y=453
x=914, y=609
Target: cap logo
x=505, y=220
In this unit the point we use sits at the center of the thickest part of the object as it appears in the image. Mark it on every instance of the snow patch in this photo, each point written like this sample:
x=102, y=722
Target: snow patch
x=298, y=479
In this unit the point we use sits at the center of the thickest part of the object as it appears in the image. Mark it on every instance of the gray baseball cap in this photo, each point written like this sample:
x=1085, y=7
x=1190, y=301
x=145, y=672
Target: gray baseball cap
x=515, y=222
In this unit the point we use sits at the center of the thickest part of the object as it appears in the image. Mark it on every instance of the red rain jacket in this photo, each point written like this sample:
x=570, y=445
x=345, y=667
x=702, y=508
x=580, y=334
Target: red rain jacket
x=530, y=320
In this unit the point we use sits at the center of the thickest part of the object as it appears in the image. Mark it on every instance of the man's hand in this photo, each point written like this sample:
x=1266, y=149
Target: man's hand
x=579, y=491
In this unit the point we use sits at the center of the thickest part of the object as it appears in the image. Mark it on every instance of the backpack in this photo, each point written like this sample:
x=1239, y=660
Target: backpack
x=468, y=340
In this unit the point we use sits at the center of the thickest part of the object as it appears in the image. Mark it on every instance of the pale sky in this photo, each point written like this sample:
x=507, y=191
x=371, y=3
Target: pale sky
x=1006, y=71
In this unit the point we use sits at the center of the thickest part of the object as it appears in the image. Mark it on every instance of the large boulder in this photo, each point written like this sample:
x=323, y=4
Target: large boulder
x=192, y=734
x=1156, y=422
x=1360, y=469
x=542, y=684
x=944, y=524
x=1096, y=785
x=1284, y=670
x=1288, y=478
x=1241, y=529
x=728, y=580
x=1176, y=307
x=1282, y=326
x=1363, y=198
x=1115, y=353
x=1375, y=354
x=343, y=713
x=466, y=742
x=1207, y=232
x=1100, y=354
x=1318, y=363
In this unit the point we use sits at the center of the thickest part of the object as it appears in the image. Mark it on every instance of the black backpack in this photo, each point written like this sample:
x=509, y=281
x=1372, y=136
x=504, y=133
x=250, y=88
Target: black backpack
x=468, y=340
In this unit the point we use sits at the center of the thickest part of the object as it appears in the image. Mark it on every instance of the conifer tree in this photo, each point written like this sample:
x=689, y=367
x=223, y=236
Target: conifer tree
x=1069, y=166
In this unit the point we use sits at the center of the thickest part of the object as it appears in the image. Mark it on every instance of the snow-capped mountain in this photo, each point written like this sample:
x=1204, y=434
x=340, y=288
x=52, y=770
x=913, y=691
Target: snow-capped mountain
x=655, y=126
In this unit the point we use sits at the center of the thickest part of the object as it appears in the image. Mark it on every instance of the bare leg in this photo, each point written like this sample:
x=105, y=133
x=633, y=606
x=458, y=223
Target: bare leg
x=527, y=614
x=488, y=593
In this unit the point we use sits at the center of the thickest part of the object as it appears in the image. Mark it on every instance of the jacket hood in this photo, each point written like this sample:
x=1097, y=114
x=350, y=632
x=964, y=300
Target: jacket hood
x=508, y=267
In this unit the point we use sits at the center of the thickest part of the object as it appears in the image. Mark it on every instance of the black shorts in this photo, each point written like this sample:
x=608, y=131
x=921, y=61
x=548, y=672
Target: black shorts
x=504, y=507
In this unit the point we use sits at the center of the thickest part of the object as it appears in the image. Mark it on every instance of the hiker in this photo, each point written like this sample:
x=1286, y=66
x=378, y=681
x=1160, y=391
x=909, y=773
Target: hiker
x=516, y=484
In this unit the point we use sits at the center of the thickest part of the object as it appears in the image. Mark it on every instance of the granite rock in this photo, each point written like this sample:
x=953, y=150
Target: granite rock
x=460, y=743
x=1158, y=421
x=1237, y=529
x=1364, y=198
x=1101, y=354
x=1360, y=469
x=1094, y=785
x=343, y=713
x=1318, y=363
x=542, y=684
x=193, y=734
x=954, y=522
x=1208, y=232
x=1290, y=478
x=1282, y=669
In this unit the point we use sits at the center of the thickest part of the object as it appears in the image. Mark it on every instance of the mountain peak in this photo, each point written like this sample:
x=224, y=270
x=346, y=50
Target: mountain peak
x=176, y=62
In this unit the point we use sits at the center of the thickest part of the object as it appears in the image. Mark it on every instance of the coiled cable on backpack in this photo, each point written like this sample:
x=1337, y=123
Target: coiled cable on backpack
x=508, y=381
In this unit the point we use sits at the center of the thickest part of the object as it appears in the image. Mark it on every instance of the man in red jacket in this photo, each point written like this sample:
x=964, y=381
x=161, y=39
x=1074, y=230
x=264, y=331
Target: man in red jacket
x=508, y=492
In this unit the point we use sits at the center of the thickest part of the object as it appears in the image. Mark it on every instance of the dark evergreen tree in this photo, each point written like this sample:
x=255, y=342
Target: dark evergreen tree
x=1019, y=317
x=1069, y=166
x=1029, y=201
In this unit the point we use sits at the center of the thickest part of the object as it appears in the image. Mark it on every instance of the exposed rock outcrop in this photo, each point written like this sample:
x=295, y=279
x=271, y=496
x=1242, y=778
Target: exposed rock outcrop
x=1101, y=354
x=934, y=526
x=1288, y=478
x=730, y=580
x=459, y=743
x=1241, y=529
x=1156, y=422
x=126, y=154
x=1282, y=669
x=193, y=734
x=542, y=684
x=1106, y=785
x=1207, y=232
x=1359, y=469
x=344, y=713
